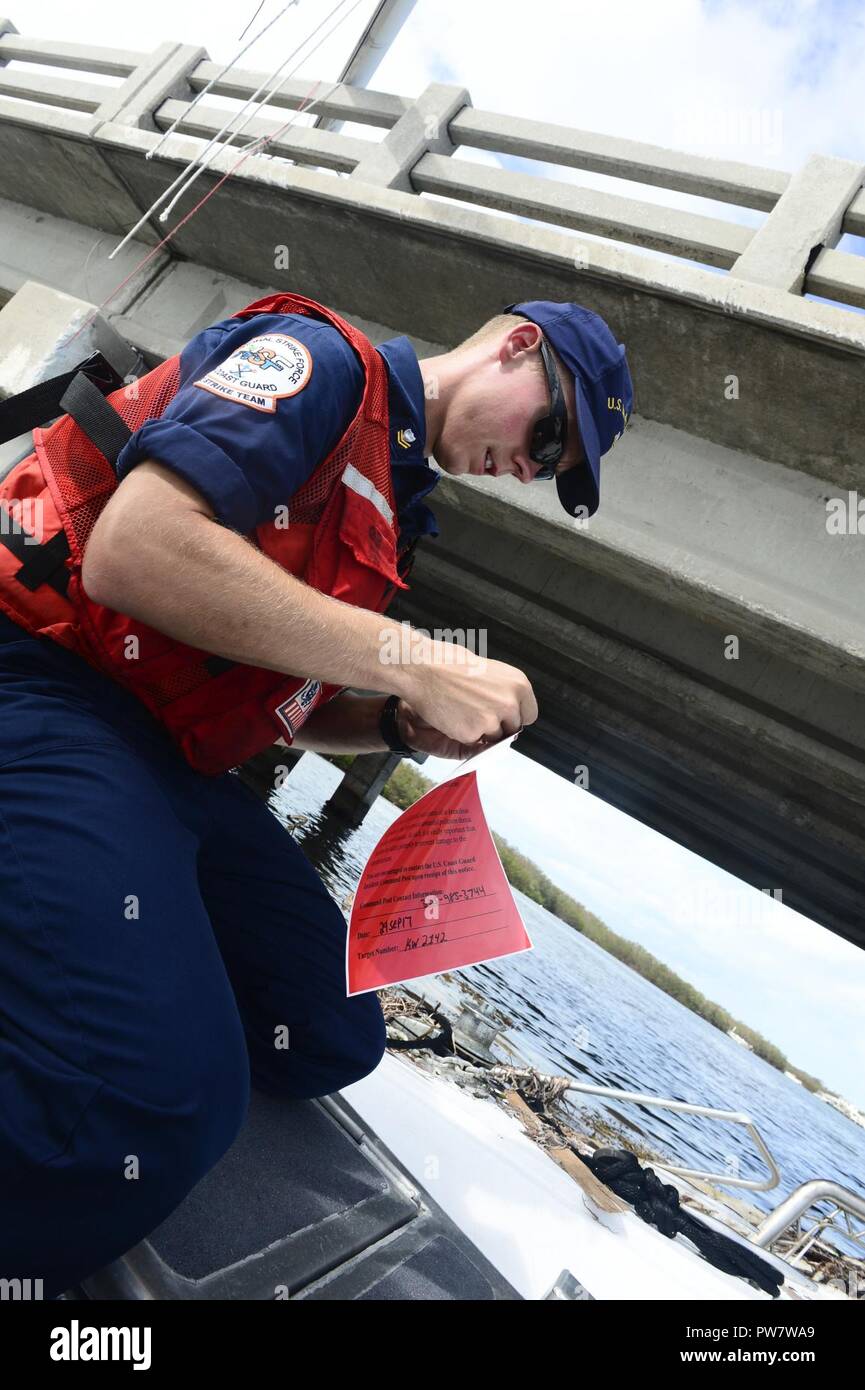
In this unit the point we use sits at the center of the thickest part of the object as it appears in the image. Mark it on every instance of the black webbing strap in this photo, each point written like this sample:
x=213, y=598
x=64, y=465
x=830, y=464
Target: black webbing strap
x=404, y=563
x=40, y=563
x=217, y=664
x=406, y=559
x=42, y=402
x=78, y=393
x=93, y=414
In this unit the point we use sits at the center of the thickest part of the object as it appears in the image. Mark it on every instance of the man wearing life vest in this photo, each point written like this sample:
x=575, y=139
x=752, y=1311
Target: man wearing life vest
x=214, y=553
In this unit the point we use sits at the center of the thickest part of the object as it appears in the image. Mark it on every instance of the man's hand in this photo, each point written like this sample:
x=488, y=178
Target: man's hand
x=475, y=701
x=424, y=738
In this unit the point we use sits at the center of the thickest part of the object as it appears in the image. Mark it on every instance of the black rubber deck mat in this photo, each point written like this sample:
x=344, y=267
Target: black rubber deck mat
x=308, y=1204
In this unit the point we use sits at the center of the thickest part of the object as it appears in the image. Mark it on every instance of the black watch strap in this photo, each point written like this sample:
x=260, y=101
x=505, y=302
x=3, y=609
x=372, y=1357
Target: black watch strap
x=389, y=728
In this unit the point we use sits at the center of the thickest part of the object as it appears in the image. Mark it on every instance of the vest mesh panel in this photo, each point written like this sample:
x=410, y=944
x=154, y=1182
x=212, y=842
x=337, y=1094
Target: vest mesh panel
x=84, y=477
x=348, y=543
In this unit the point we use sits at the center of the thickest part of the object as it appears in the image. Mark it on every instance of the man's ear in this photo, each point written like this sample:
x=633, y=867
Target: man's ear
x=522, y=338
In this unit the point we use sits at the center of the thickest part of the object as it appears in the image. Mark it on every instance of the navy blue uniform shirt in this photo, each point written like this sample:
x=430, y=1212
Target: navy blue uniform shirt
x=275, y=394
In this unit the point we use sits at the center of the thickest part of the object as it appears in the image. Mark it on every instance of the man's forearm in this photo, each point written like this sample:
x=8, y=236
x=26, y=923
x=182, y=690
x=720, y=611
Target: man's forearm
x=155, y=556
x=346, y=724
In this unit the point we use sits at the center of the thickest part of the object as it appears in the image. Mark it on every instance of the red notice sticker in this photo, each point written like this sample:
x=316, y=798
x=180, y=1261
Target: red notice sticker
x=433, y=895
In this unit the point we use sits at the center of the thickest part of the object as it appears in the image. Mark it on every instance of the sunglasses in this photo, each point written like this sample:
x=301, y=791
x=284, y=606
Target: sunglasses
x=549, y=435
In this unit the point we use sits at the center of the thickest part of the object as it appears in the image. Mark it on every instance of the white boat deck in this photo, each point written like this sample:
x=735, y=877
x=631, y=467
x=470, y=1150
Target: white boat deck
x=522, y=1210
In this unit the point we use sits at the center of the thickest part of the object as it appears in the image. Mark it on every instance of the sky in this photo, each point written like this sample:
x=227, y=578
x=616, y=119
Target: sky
x=765, y=83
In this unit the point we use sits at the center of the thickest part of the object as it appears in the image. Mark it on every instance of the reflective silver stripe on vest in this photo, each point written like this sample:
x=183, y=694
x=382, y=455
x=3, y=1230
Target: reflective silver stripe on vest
x=358, y=483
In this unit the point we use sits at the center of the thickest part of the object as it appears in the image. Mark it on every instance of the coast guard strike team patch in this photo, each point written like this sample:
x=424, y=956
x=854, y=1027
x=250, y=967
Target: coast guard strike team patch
x=260, y=372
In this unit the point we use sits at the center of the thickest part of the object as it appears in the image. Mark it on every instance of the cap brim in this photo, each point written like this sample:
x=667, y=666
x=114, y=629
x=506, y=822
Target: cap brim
x=580, y=486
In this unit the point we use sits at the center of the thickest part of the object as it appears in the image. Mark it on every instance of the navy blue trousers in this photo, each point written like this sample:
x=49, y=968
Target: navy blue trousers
x=164, y=944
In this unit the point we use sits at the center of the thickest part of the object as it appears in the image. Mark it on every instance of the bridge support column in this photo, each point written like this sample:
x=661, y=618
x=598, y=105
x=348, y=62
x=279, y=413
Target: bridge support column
x=267, y=770
x=162, y=75
x=6, y=27
x=807, y=217
x=422, y=130
x=361, y=784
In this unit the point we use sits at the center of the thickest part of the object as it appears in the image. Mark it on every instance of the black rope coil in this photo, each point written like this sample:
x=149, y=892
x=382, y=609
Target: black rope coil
x=657, y=1203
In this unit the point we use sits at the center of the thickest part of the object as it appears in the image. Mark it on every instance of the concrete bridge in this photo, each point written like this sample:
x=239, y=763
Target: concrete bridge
x=698, y=646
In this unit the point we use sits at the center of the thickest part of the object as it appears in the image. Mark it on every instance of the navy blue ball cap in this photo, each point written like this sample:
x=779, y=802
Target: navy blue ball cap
x=603, y=390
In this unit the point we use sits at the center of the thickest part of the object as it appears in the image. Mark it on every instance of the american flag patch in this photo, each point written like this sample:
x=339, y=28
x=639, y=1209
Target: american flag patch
x=293, y=711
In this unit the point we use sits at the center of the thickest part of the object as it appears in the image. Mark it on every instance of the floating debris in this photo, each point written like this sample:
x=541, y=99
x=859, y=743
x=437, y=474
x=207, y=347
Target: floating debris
x=460, y=1052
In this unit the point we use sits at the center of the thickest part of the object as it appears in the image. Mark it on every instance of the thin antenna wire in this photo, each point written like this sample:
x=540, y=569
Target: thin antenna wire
x=252, y=115
x=254, y=17
x=219, y=76
x=202, y=154
x=250, y=149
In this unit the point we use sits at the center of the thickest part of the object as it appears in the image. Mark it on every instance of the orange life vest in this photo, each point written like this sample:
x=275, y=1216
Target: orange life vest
x=341, y=538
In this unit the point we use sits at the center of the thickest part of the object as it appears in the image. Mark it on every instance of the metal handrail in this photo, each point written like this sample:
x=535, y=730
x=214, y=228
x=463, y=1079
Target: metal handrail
x=732, y=1116
x=805, y=1239
x=788, y=1212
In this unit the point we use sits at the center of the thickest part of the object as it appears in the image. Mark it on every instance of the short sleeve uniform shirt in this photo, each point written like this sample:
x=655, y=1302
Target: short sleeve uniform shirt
x=262, y=401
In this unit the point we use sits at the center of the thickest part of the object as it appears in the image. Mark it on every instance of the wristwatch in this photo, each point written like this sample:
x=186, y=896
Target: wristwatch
x=389, y=728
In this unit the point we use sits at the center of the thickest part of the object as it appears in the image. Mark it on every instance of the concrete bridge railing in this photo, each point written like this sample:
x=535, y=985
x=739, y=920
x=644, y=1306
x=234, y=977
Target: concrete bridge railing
x=794, y=249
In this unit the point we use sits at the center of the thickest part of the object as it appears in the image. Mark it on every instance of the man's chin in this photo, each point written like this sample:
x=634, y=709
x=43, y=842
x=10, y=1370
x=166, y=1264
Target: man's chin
x=455, y=467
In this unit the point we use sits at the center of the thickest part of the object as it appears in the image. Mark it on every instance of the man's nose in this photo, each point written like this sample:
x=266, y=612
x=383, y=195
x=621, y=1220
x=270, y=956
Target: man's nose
x=525, y=469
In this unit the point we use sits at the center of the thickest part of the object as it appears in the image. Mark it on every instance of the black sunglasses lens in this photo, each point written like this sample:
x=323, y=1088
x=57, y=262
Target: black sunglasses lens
x=546, y=446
